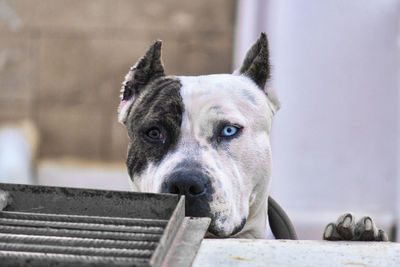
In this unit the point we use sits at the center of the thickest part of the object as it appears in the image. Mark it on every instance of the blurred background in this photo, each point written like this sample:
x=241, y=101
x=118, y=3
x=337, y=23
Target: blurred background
x=335, y=68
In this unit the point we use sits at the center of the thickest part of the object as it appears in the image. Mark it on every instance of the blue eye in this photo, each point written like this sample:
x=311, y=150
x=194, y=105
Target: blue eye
x=229, y=130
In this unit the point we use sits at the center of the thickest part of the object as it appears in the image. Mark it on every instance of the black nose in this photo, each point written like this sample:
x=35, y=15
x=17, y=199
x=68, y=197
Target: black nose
x=195, y=186
x=185, y=183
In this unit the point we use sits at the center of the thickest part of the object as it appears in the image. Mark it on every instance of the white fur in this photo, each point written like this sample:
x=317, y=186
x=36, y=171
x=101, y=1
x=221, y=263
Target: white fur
x=123, y=110
x=241, y=174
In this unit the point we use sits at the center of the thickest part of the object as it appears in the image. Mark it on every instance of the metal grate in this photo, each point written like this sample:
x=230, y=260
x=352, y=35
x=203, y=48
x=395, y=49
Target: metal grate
x=47, y=226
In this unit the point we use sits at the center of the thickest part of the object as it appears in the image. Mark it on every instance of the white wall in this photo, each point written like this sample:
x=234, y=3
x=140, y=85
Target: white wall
x=335, y=140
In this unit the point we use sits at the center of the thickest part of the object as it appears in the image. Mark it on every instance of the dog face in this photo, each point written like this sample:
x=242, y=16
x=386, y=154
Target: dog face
x=205, y=137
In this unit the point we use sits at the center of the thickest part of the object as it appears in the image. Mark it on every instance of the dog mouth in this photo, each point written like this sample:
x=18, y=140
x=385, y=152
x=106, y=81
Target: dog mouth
x=199, y=205
x=201, y=199
x=216, y=231
x=220, y=225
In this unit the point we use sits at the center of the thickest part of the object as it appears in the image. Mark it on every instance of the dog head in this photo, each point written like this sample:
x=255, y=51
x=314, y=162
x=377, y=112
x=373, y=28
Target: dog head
x=205, y=137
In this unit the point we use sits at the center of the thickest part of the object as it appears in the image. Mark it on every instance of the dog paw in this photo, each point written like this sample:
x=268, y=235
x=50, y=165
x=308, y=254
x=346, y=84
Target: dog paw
x=346, y=228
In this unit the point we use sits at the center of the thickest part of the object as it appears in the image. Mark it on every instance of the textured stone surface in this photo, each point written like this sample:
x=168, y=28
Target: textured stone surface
x=18, y=61
x=62, y=62
x=176, y=15
x=66, y=131
x=247, y=252
x=119, y=140
x=16, y=67
x=61, y=14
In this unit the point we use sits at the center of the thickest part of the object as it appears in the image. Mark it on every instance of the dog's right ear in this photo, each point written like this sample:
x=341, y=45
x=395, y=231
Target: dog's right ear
x=144, y=71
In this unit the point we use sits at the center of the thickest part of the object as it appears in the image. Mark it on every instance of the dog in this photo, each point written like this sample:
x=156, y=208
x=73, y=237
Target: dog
x=207, y=138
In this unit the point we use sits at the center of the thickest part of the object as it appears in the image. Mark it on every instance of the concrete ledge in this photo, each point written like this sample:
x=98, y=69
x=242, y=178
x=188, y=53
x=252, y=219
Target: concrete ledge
x=246, y=252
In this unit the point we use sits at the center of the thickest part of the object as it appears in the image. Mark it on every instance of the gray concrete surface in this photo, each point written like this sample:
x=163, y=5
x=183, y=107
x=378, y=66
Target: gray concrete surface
x=245, y=252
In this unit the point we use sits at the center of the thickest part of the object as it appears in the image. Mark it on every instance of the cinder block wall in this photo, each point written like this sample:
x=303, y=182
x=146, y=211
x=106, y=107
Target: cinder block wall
x=62, y=62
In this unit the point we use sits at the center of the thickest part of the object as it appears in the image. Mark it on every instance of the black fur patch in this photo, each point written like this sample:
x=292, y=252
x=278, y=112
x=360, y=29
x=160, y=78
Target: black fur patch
x=148, y=67
x=256, y=63
x=239, y=227
x=159, y=105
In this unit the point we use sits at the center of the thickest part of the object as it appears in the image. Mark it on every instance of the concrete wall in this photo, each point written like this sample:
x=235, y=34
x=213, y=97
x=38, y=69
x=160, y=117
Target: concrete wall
x=335, y=141
x=62, y=62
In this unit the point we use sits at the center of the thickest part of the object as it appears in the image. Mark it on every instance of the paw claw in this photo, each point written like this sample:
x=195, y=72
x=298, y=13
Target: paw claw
x=328, y=231
x=345, y=226
x=366, y=230
x=382, y=236
x=368, y=224
x=331, y=233
x=347, y=222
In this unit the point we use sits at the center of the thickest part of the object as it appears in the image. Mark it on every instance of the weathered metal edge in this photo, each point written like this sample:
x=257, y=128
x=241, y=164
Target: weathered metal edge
x=82, y=201
x=34, y=259
x=187, y=242
x=169, y=234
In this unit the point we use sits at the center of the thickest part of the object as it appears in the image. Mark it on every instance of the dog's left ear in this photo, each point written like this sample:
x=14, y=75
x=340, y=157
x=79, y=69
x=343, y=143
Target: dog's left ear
x=256, y=63
x=148, y=68
x=256, y=66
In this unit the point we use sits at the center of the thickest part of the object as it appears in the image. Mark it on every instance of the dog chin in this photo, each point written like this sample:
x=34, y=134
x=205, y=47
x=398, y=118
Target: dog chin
x=215, y=231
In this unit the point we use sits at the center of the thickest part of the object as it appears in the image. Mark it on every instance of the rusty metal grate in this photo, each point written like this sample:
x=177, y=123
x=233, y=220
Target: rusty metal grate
x=47, y=226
